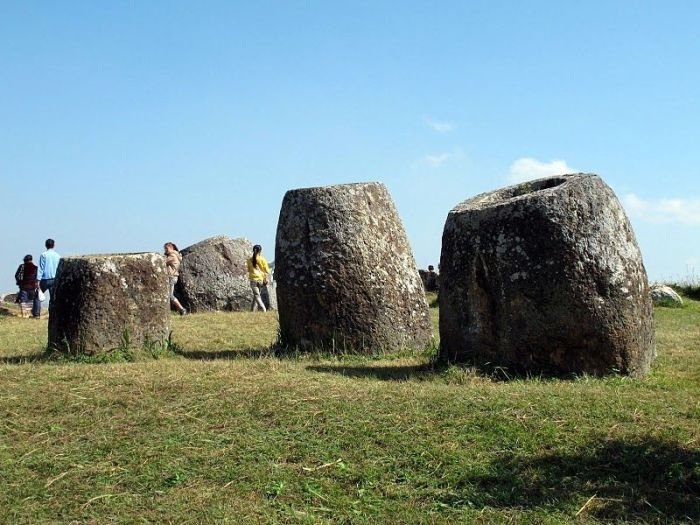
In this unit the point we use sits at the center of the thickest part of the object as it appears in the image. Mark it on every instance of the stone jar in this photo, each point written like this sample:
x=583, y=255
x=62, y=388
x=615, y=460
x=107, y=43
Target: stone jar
x=101, y=302
x=346, y=277
x=545, y=277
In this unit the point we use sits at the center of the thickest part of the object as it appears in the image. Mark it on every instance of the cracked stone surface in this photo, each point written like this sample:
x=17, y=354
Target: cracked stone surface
x=545, y=276
x=346, y=276
x=99, y=297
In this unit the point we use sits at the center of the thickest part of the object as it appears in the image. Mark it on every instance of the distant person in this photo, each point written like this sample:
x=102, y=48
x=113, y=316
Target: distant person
x=172, y=263
x=429, y=278
x=258, y=274
x=26, y=279
x=46, y=276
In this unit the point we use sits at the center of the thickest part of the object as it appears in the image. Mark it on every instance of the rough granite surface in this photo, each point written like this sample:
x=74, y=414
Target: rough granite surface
x=213, y=275
x=346, y=277
x=99, y=298
x=545, y=276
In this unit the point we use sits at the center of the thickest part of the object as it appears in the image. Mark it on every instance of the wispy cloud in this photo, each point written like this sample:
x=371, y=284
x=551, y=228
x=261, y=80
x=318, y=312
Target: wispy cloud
x=439, y=125
x=437, y=160
x=528, y=168
x=684, y=211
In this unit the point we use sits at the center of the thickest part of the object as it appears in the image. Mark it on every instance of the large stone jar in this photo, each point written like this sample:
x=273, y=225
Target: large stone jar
x=545, y=277
x=103, y=302
x=346, y=277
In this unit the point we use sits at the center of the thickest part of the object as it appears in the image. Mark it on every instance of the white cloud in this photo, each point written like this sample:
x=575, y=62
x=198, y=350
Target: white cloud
x=440, y=126
x=528, y=168
x=684, y=211
x=435, y=161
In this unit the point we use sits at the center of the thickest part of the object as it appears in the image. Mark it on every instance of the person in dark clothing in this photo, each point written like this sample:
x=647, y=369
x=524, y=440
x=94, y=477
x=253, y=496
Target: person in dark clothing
x=26, y=279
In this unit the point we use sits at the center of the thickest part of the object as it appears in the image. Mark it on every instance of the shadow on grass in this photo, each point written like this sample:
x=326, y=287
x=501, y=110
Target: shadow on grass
x=648, y=480
x=110, y=356
x=383, y=372
x=26, y=359
x=45, y=356
x=202, y=355
x=244, y=353
x=433, y=368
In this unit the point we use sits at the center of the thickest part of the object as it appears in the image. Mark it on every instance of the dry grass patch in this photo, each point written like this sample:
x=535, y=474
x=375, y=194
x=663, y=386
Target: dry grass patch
x=221, y=334
x=22, y=337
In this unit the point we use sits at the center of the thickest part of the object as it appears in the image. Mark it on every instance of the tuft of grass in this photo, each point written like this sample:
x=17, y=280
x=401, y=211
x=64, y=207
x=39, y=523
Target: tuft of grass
x=432, y=298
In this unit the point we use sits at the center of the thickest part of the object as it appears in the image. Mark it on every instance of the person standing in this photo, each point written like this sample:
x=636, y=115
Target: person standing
x=172, y=263
x=26, y=279
x=46, y=276
x=258, y=274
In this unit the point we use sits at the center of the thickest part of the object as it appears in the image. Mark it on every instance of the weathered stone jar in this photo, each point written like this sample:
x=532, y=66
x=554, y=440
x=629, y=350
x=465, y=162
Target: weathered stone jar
x=213, y=275
x=545, y=277
x=346, y=277
x=102, y=300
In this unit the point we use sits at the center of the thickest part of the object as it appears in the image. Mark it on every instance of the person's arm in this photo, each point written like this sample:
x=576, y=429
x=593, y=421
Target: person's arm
x=249, y=267
x=19, y=274
x=266, y=270
x=40, y=271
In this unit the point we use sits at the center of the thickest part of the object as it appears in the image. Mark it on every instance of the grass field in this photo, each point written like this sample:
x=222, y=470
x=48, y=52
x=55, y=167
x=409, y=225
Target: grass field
x=224, y=432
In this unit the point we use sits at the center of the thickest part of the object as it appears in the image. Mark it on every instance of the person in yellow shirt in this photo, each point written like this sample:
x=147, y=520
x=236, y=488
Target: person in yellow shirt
x=258, y=274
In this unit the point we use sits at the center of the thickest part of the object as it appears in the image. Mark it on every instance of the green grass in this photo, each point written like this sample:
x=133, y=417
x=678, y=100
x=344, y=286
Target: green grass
x=224, y=432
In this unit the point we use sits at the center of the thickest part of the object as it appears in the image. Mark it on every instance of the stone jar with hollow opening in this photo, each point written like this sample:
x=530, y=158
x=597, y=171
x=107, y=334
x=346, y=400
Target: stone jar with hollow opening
x=346, y=277
x=545, y=277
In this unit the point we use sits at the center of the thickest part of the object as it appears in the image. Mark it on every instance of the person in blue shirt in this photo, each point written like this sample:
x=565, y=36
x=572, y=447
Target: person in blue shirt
x=48, y=264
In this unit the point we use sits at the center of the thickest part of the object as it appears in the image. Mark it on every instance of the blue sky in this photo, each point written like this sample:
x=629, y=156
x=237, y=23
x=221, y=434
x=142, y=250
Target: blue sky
x=126, y=124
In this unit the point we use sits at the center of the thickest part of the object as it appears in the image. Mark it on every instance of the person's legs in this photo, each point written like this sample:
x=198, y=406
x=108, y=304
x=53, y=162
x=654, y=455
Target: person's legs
x=36, y=304
x=257, y=300
x=172, y=282
x=265, y=295
x=181, y=309
x=23, y=300
x=46, y=285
